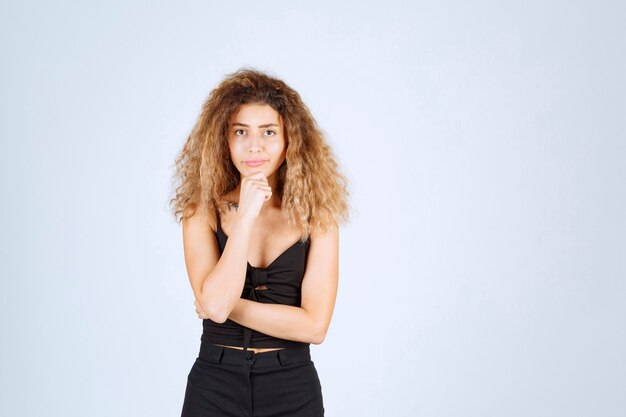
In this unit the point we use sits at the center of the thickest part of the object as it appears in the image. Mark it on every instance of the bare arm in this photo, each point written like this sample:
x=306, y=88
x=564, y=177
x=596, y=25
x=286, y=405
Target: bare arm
x=217, y=281
x=309, y=322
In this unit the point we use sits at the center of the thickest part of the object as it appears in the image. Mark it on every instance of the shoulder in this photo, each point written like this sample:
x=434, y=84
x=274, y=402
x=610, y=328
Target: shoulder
x=325, y=237
x=201, y=217
x=325, y=231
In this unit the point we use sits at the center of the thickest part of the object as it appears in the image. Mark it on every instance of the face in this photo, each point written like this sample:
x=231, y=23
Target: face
x=256, y=139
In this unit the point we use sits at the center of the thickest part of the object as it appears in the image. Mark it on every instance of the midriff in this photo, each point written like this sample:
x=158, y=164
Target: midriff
x=255, y=350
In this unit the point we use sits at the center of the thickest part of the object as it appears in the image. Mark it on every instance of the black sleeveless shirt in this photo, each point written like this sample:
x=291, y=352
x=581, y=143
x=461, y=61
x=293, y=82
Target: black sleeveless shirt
x=282, y=280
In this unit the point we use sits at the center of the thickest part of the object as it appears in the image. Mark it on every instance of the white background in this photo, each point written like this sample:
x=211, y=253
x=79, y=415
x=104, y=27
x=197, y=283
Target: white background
x=482, y=273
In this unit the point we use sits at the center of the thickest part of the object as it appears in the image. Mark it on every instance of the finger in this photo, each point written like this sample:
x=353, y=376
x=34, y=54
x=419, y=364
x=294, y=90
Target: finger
x=258, y=183
x=263, y=190
x=257, y=176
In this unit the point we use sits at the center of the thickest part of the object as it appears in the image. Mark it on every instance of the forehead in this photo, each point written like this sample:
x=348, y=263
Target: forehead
x=255, y=114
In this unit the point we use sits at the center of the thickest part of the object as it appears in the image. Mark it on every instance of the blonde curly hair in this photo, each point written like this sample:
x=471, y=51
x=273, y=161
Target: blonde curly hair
x=312, y=189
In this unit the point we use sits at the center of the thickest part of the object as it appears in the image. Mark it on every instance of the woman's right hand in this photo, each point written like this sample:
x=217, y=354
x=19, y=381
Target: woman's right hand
x=253, y=193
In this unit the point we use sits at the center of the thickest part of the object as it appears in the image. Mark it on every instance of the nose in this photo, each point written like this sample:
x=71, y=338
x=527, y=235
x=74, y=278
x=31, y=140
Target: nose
x=256, y=142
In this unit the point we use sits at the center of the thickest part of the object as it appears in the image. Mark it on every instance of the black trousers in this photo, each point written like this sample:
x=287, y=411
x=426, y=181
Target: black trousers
x=228, y=382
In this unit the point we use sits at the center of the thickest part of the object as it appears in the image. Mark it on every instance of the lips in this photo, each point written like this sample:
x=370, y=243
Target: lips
x=254, y=162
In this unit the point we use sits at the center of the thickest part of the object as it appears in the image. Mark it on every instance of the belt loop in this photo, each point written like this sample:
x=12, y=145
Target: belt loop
x=247, y=336
x=221, y=354
x=282, y=357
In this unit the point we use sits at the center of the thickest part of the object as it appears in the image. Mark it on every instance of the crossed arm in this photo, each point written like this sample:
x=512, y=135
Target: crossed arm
x=307, y=323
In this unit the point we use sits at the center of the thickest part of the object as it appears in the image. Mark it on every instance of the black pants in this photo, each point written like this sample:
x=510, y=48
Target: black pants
x=228, y=382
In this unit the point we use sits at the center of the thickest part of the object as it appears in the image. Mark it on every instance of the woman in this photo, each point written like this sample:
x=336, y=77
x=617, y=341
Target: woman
x=260, y=198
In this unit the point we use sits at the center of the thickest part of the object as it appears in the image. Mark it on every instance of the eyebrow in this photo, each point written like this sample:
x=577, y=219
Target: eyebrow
x=245, y=125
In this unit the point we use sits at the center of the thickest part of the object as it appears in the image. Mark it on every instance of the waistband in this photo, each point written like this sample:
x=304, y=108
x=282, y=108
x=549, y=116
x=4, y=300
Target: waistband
x=262, y=341
x=220, y=354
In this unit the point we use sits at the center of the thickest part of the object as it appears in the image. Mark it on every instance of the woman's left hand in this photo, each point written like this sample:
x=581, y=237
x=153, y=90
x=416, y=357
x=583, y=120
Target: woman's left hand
x=200, y=311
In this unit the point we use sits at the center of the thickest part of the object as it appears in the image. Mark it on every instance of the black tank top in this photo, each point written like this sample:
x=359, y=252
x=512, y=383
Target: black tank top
x=282, y=279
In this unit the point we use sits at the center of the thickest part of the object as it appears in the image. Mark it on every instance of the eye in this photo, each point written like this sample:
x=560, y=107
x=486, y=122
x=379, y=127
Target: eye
x=270, y=133
x=240, y=132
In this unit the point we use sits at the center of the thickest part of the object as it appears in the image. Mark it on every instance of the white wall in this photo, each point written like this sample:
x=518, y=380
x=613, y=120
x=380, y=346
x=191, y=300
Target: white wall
x=483, y=272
